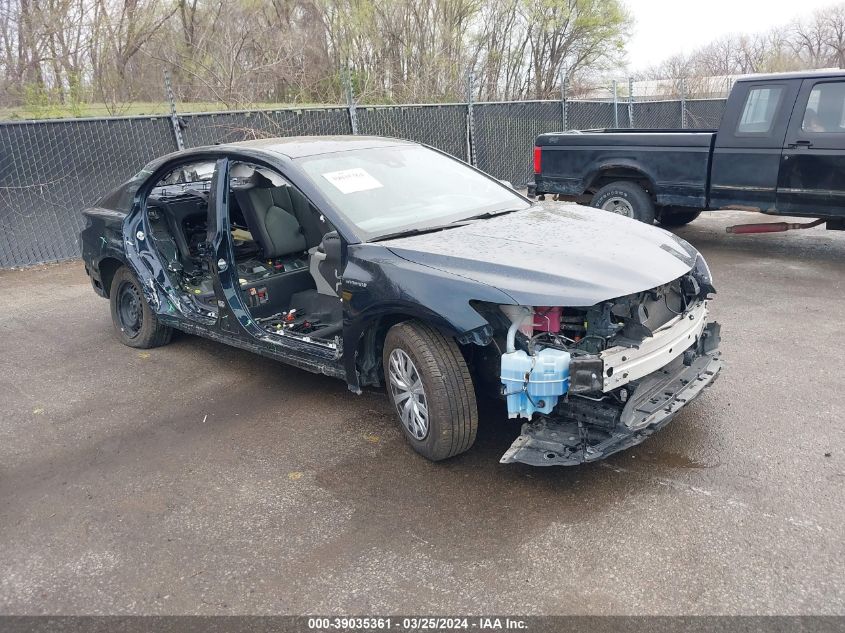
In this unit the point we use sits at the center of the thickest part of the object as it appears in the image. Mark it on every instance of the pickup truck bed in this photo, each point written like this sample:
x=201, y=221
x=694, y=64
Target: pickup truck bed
x=676, y=162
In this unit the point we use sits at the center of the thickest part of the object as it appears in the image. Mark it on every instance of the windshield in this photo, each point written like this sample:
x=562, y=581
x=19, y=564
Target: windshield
x=388, y=190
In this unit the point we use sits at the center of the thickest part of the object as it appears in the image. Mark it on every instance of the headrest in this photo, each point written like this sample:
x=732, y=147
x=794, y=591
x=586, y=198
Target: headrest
x=260, y=181
x=241, y=170
x=250, y=177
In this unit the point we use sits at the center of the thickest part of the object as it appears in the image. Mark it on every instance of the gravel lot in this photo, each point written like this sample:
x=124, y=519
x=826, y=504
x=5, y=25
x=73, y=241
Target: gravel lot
x=197, y=478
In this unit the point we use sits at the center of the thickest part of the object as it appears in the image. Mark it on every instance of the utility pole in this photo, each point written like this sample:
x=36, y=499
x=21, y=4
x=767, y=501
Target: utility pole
x=174, y=118
x=615, y=104
x=350, y=101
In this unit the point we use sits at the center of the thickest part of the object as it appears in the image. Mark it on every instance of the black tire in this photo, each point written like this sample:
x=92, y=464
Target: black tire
x=135, y=324
x=670, y=218
x=448, y=394
x=628, y=196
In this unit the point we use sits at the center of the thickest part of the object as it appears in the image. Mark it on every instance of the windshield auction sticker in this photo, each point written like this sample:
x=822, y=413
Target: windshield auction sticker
x=352, y=180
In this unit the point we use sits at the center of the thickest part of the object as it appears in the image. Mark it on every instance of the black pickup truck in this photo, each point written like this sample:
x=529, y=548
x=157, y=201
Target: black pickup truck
x=780, y=150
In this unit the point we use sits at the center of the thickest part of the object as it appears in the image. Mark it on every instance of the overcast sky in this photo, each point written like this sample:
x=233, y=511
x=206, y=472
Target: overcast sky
x=666, y=27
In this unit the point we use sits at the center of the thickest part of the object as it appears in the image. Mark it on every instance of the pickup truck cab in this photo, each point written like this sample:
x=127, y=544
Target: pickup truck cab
x=780, y=150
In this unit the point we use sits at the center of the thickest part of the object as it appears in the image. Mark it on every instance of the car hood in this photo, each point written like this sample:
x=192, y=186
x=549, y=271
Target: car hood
x=554, y=254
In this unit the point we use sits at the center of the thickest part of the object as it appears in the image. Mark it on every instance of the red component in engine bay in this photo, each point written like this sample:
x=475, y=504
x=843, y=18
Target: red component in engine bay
x=547, y=319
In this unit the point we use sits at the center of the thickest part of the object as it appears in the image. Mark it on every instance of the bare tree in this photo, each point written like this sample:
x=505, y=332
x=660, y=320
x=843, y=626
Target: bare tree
x=815, y=41
x=833, y=20
x=243, y=52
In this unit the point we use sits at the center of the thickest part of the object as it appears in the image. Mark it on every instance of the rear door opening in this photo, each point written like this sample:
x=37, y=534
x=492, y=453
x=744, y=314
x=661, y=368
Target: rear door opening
x=176, y=221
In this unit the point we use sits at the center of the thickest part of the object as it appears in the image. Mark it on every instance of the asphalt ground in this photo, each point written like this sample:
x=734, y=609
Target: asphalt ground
x=199, y=479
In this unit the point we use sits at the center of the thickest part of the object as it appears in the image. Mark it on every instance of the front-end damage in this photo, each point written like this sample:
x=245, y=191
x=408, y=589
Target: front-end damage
x=593, y=381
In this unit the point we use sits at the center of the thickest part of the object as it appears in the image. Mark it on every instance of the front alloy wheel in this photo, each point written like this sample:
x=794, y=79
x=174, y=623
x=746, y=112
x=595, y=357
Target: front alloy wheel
x=430, y=386
x=408, y=394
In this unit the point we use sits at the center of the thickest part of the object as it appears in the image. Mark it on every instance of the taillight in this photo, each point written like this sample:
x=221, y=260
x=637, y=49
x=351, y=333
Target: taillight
x=538, y=159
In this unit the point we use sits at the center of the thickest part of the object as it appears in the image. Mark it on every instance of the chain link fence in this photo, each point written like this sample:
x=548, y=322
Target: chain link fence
x=705, y=114
x=229, y=127
x=441, y=126
x=504, y=136
x=51, y=170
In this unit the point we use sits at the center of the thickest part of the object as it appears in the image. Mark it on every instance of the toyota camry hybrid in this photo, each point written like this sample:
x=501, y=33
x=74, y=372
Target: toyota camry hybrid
x=384, y=262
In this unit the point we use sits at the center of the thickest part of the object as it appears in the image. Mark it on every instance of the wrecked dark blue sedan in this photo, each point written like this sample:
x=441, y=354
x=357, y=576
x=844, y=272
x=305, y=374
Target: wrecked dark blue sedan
x=383, y=262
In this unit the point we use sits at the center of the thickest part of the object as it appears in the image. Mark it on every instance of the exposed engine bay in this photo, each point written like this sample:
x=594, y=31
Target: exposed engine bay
x=593, y=381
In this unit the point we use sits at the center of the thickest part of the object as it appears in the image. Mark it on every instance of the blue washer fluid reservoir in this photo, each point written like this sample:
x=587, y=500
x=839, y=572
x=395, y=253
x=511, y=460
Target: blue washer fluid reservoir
x=548, y=379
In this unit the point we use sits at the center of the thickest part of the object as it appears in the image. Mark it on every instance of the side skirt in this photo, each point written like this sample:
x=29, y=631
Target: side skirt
x=315, y=364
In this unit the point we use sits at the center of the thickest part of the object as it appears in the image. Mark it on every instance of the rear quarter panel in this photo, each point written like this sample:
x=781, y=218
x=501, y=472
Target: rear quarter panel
x=100, y=240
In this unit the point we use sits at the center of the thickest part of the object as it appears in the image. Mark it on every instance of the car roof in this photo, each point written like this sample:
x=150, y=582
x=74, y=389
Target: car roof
x=800, y=74
x=300, y=146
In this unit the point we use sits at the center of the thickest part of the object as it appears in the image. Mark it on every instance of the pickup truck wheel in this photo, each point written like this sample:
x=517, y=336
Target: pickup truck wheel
x=670, y=218
x=429, y=384
x=134, y=321
x=625, y=198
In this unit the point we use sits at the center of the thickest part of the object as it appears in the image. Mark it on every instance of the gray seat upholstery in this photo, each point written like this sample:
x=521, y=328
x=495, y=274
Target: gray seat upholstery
x=297, y=205
x=268, y=213
x=325, y=264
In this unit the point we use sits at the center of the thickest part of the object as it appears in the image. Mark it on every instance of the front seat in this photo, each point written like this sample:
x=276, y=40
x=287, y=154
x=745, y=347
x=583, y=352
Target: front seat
x=312, y=226
x=275, y=229
x=324, y=264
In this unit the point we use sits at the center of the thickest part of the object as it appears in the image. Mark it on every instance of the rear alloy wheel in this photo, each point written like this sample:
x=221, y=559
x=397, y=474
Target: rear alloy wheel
x=429, y=384
x=130, y=312
x=670, y=218
x=135, y=324
x=625, y=198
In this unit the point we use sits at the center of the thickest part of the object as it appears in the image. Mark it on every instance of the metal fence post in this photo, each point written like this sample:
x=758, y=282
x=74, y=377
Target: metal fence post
x=350, y=101
x=563, y=86
x=630, y=102
x=471, y=158
x=683, y=103
x=174, y=118
x=615, y=104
